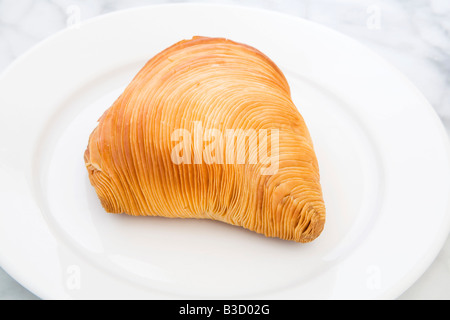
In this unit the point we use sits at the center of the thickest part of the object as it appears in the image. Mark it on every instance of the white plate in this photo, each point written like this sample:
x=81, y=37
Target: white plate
x=383, y=155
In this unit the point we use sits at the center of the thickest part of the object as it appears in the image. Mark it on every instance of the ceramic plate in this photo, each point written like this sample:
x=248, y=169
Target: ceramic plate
x=383, y=156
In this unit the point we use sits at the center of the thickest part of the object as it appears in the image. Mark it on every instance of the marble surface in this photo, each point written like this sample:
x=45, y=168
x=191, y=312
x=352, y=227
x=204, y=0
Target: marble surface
x=414, y=36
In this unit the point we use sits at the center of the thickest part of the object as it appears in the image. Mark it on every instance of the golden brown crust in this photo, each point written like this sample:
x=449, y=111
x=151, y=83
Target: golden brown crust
x=222, y=85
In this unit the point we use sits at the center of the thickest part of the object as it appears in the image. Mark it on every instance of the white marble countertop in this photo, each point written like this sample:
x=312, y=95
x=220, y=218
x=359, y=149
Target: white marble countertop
x=412, y=35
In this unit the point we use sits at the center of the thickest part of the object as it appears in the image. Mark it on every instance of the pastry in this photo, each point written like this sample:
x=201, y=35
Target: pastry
x=207, y=129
